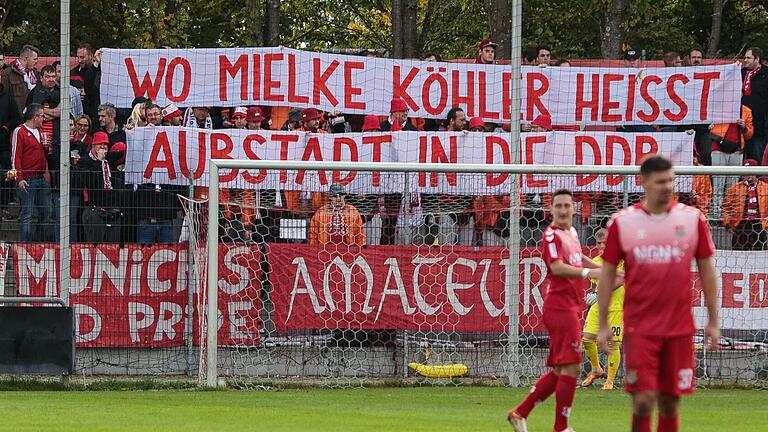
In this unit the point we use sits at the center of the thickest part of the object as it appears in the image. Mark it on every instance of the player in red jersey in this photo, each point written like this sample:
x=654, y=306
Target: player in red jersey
x=657, y=239
x=563, y=304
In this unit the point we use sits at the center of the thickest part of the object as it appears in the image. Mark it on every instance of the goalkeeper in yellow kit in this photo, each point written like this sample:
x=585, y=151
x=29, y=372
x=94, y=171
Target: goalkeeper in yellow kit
x=591, y=326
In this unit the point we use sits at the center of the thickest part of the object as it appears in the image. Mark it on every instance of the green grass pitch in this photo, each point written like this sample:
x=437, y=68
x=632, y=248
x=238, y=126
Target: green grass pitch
x=378, y=409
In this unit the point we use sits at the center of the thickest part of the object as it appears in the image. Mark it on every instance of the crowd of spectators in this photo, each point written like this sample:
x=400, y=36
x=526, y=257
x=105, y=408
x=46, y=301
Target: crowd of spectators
x=103, y=208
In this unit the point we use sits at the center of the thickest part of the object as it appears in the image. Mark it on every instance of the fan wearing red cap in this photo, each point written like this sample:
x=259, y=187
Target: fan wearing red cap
x=238, y=117
x=371, y=124
x=171, y=115
x=476, y=124
x=486, y=53
x=542, y=123
x=745, y=211
x=398, y=117
x=254, y=117
x=310, y=121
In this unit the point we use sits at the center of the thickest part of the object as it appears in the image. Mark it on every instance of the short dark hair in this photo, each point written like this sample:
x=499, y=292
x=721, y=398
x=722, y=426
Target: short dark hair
x=452, y=113
x=757, y=53
x=696, y=49
x=32, y=110
x=542, y=47
x=561, y=61
x=654, y=163
x=56, y=63
x=562, y=192
x=530, y=54
x=670, y=57
x=437, y=56
x=27, y=51
x=86, y=46
x=48, y=69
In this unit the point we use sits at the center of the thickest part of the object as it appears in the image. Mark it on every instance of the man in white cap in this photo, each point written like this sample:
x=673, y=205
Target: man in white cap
x=239, y=117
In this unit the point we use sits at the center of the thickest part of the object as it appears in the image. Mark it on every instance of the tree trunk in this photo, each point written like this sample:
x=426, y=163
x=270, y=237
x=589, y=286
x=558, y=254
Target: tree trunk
x=3, y=17
x=254, y=23
x=273, y=23
x=397, y=28
x=714, y=32
x=500, y=25
x=410, y=40
x=612, y=34
x=156, y=14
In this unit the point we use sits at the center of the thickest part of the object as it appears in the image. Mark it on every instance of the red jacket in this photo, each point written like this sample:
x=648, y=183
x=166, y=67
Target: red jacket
x=27, y=154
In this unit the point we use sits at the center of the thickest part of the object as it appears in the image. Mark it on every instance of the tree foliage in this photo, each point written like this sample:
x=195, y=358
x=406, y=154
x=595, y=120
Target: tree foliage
x=451, y=28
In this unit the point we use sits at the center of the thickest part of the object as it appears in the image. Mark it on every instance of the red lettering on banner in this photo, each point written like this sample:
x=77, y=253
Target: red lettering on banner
x=186, y=83
x=285, y=141
x=530, y=142
x=147, y=87
x=582, y=103
x=610, y=142
x=535, y=94
x=608, y=105
x=251, y=154
x=469, y=100
x=631, y=88
x=223, y=153
x=492, y=142
x=654, y=114
x=338, y=155
x=201, y=158
x=484, y=113
x=640, y=153
x=227, y=69
x=161, y=147
x=422, y=159
x=730, y=290
x=676, y=98
x=585, y=179
x=134, y=295
x=758, y=290
x=319, y=82
x=434, y=77
x=292, y=96
x=706, y=87
x=312, y=152
x=506, y=96
x=349, y=89
x=269, y=83
x=376, y=141
x=400, y=88
x=438, y=155
x=256, y=77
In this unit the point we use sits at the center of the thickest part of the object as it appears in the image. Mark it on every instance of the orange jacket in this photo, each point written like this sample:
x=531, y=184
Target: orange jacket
x=719, y=130
x=487, y=209
x=318, y=228
x=734, y=203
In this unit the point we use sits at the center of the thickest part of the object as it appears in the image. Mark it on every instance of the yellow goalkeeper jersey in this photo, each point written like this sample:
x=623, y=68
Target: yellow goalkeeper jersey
x=617, y=299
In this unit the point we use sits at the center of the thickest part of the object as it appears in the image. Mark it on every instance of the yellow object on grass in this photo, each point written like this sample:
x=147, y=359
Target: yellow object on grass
x=439, y=371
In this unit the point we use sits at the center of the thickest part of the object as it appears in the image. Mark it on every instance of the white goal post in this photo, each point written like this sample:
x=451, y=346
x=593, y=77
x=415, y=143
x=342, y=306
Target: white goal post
x=210, y=338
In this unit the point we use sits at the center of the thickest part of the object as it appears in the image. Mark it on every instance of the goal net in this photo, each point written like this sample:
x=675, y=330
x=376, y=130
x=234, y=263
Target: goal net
x=342, y=283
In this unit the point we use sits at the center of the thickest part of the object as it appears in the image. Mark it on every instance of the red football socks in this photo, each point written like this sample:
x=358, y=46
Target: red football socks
x=564, y=394
x=543, y=388
x=641, y=424
x=668, y=424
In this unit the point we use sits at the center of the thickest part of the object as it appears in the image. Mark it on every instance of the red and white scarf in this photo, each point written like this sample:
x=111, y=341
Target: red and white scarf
x=29, y=75
x=746, y=89
x=105, y=171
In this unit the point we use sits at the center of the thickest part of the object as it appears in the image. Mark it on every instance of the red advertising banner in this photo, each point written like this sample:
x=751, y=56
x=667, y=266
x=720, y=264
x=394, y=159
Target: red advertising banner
x=361, y=85
x=402, y=287
x=138, y=295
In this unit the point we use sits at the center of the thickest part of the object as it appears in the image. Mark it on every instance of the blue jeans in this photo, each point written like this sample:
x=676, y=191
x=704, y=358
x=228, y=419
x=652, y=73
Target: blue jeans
x=74, y=206
x=149, y=232
x=37, y=196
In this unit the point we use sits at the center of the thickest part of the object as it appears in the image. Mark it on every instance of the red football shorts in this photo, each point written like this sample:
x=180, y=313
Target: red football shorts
x=564, y=329
x=658, y=363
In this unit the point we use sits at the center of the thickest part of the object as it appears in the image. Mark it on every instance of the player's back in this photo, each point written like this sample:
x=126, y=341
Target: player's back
x=657, y=250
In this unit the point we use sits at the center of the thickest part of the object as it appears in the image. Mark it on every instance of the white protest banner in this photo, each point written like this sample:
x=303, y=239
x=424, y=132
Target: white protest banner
x=362, y=85
x=174, y=155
